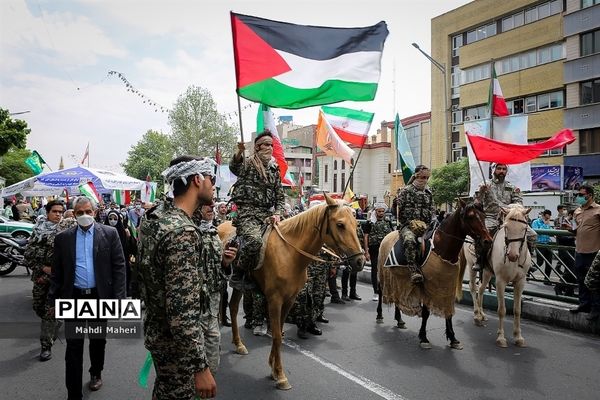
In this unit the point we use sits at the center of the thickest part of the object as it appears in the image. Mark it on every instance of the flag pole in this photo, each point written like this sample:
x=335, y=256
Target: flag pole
x=240, y=118
x=491, y=99
x=478, y=162
x=352, y=170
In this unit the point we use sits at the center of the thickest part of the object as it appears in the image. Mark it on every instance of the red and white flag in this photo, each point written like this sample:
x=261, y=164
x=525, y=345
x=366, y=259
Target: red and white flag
x=496, y=102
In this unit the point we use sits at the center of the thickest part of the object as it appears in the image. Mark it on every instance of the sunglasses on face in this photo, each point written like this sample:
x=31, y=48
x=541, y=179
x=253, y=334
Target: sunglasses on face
x=213, y=178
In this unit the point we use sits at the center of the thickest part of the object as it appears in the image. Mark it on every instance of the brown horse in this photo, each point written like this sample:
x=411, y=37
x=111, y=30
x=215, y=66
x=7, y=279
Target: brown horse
x=443, y=280
x=283, y=272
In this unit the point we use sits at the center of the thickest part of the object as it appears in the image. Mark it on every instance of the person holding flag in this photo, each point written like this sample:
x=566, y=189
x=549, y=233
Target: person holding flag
x=415, y=208
x=258, y=195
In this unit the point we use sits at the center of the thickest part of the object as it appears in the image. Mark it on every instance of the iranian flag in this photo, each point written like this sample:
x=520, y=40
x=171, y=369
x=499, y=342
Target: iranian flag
x=265, y=120
x=89, y=190
x=351, y=126
x=295, y=66
x=496, y=102
x=122, y=197
x=329, y=141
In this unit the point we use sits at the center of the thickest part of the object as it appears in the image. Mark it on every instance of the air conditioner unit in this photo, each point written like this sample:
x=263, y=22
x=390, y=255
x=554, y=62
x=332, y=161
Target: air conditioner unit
x=455, y=146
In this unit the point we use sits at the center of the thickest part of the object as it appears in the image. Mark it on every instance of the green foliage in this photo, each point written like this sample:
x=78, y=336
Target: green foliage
x=150, y=156
x=13, y=133
x=450, y=181
x=596, y=192
x=197, y=127
x=13, y=166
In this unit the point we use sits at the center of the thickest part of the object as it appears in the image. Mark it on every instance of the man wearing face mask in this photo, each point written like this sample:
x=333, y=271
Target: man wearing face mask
x=494, y=196
x=414, y=204
x=135, y=214
x=88, y=264
x=174, y=286
x=258, y=195
x=587, y=244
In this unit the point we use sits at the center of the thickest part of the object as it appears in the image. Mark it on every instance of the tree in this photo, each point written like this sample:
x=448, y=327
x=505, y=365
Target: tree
x=13, y=166
x=450, y=181
x=150, y=156
x=13, y=133
x=198, y=128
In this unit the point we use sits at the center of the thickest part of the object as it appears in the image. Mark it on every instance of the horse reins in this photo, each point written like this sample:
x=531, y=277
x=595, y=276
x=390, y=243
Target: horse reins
x=508, y=241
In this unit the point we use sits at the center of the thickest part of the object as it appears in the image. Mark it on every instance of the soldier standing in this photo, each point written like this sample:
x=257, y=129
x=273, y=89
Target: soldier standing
x=375, y=230
x=173, y=284
x=38, y=257
x=415, y=204
x=498, y=194
x=214, y=261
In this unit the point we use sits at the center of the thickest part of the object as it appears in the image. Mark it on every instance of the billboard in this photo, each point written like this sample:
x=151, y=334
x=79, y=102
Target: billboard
x=572, y=178
x=545, y=178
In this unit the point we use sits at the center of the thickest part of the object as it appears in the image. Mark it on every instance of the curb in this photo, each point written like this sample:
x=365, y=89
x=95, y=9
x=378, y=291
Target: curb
x=550, y=312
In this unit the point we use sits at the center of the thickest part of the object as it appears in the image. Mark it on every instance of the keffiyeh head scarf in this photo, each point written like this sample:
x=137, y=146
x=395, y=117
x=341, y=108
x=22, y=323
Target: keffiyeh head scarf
x=201, y=167
x=262, y=156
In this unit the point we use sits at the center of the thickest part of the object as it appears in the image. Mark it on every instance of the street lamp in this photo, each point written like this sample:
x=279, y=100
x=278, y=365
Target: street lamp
x=442, y=68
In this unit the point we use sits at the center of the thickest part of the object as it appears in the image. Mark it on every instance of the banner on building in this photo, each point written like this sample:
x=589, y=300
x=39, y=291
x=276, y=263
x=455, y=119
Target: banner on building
x=545, y=178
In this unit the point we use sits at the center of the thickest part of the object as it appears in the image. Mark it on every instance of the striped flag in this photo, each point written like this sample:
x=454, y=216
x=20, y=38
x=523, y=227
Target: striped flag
x=496, y=103
x=329, y=141
x=122, y=197
x=351, y=126
x=89, y=190
x=295, y=66
x=405, y=160
x=266, y=120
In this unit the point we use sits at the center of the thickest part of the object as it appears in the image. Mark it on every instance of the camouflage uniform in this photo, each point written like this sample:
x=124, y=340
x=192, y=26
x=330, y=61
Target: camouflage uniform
x=592, y=279
x=39, y=253
x=376, y=231
x=174, y=290
x=347, y=273
x=219, y=220
x=215, y=282
x=310, y=302
x=413, y=204
x=257, y=199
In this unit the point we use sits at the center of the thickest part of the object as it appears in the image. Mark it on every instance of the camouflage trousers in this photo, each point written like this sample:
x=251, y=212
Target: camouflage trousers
x=409, y=241
x=249, y=229
x=310, y=302
x=212, y=334
x=259, y=307
x=49, y=324
x=174, y=380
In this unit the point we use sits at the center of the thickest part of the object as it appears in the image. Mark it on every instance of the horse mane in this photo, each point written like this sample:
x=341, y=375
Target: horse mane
x=515, y=210
x=306, y=220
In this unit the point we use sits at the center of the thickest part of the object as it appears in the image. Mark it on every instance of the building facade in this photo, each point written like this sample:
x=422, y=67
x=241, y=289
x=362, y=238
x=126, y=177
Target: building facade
x=536, y=48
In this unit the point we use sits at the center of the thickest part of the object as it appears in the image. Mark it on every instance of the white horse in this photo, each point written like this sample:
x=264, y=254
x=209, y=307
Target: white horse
x=510, y=260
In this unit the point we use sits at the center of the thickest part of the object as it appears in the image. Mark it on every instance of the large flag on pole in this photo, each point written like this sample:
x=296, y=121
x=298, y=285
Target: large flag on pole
x=266, y=120
x=405, y=159
x=86, y=155
x=89, y=190
x=330, y=142
x=491, y=150
x=122, y=197
x=496, y=102
x=351, y=125
x=35, y=162
x=295, y=66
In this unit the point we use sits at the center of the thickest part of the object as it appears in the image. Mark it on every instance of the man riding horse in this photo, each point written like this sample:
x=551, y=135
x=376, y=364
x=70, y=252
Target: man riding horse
x=415, y=208
x=259, y=198
x=498, y=194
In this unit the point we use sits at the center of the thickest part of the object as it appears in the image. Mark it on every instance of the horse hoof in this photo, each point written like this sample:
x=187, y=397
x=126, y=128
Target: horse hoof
x=457, y=345
x=520, y=343
x=401, y=325
x=501, y=343
x=283, y=385
x=425, y=345
x=379, y=320
x=242, y=350
x=478, y=322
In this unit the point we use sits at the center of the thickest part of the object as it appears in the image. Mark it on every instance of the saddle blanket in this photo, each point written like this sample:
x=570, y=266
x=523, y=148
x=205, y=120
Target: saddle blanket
x=396, y=258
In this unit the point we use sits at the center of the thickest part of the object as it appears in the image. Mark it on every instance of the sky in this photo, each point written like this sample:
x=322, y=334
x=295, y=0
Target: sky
x=56, y=54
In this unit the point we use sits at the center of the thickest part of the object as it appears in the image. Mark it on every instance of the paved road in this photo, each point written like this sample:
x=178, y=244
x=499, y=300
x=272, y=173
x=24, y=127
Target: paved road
x=354, y=359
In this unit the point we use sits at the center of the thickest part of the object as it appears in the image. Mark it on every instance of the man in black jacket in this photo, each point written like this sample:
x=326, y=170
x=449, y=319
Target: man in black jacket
x=88, y=264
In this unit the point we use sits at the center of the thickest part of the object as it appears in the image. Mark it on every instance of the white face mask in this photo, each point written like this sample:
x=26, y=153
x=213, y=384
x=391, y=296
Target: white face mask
x=85, y=220
x=113, y=222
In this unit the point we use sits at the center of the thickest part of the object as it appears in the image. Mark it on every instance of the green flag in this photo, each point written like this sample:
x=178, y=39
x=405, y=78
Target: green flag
x=406, y=162
x=35, y=162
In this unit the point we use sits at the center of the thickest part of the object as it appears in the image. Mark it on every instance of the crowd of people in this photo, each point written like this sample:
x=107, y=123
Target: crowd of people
x=169, y=254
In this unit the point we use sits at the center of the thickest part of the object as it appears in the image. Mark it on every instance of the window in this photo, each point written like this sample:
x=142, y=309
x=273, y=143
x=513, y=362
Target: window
x=389, y=168
x=589, y=3
x=343, y=164
x=326, y=173
x=471, y=37
x=519, y=19
x=531, y=15
x=343, y=185
x=508, y=23
x=456, y=155
x=553, y=152
x=590, y=92
x=308, y=176
x=531, y=104
x=543, y=10
x=515, y=106
x=481, y=32
x=476, y=113
x=457, y=42
x=548, y=101
x=543, y=101
x=307, y=162
x=543, y=55
x=335, y=182
x=456, y=117
x=590, y=43
x=556, y=99
x=589, y=141
x=555, y=7
x=335, y=165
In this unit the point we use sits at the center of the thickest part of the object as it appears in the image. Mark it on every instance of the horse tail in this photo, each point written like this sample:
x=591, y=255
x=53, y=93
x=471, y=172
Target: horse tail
x=462, y=265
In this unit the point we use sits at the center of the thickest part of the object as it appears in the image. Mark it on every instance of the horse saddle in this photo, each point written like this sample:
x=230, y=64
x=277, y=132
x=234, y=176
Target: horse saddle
x=397, y=258
x=239, y=242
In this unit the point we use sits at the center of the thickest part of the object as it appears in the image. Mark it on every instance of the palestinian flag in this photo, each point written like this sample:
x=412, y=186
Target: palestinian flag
x=351, y=125
x=89, y=190
x=295, y=66
x=496, y=102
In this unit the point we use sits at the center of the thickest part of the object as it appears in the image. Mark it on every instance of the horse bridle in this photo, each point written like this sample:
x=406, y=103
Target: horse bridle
x=508, y=241
x=319, y=228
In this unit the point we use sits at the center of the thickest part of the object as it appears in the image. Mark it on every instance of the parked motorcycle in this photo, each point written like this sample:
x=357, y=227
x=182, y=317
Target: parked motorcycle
x=12, y=254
